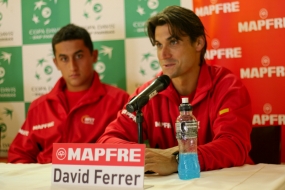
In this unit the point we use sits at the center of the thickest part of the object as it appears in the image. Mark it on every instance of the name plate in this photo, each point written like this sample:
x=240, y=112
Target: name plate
x=110, y=166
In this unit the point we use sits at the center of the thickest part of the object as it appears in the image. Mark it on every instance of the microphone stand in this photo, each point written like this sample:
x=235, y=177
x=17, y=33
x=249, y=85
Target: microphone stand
x=139, y=120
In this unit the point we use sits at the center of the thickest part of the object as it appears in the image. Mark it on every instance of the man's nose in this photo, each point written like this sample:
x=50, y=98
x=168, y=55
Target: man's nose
x=165, y=52
x=73, y=64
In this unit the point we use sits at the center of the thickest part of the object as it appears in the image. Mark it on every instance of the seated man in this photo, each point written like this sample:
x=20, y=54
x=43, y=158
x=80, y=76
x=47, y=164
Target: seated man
x=77, y=109
x=220, y=101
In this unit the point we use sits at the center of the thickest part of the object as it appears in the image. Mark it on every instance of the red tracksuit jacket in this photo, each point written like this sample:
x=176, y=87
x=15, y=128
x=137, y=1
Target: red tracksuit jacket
x=222, y=106
x=48, y=121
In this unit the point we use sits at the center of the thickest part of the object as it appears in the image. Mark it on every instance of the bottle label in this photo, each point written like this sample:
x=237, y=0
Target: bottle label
x=186, y=130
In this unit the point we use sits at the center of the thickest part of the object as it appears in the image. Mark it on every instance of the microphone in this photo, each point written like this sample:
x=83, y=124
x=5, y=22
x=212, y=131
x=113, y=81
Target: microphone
x=159, y=84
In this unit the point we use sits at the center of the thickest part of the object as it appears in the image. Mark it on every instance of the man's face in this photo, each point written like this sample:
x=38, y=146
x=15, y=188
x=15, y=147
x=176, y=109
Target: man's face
x=75, y=63
x=177, y=57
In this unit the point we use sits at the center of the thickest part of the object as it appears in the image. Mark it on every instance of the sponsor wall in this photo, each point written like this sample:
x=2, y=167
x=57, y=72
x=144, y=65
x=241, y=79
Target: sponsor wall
x=247, y=37
x=244, y=36
x=126, y=57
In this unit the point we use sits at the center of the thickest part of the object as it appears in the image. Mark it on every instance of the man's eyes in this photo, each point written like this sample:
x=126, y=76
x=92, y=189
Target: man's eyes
x=158, y=45
x=171, y=42
x=64, y=59
x=78, y=56
x=174, y=42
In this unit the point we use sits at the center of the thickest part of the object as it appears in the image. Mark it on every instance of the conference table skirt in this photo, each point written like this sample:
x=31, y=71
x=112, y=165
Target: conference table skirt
x=247, y=177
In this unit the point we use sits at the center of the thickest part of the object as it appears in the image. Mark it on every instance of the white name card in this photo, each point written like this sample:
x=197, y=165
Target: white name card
x=109, y=166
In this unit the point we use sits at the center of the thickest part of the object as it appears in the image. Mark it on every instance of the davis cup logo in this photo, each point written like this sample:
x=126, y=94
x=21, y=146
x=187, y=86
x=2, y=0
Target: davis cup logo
x=44, y=70
x=45, y=12
x=60, y=153
x=92, y=11
x=152, y=4
x=2, y=74
x=5, y=56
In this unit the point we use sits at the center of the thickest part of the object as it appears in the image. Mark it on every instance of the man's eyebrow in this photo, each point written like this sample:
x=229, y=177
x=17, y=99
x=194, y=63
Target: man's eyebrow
x=174, y=37
x=61, y=55
x=168, y=39
x=79, y=51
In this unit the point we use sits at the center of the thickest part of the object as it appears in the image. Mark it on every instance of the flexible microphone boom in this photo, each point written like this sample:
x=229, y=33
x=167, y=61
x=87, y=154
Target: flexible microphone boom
x=159, y=84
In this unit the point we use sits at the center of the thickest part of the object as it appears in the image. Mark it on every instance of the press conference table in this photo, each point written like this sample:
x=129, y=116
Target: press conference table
x=247, y=177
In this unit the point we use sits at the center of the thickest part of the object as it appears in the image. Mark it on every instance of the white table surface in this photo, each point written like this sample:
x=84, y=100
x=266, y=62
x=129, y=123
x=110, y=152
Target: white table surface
x=247, y=177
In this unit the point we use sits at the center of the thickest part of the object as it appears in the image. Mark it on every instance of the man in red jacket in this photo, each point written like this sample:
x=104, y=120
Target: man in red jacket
x=220, y=101
x=77, y=109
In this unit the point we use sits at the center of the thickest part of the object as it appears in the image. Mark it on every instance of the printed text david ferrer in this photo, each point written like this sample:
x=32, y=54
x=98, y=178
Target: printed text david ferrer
x=98, y=164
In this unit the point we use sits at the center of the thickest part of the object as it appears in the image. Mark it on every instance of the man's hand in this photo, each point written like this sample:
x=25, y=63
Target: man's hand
x=161, y=161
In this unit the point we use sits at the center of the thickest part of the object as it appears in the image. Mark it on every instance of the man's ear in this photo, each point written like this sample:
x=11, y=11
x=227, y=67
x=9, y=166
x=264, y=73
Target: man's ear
x=55, y=62
x=200, y=43
x=95, y=55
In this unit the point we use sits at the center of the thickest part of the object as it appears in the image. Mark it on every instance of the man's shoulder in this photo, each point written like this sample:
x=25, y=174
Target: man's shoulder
x=224, y=80
x=38, y=101
x=115, y=91
x=220, y=72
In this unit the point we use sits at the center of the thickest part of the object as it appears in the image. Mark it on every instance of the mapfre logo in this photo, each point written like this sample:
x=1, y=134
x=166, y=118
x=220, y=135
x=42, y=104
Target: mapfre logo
x=268, y=118
x=130, y=115
x=262, y=72
x=60, y=153
x=86, y=119
x=217, y=8
x=220, y=53
x=162, y=124
x=43, y=126
x=263, y=24
x=98, y=154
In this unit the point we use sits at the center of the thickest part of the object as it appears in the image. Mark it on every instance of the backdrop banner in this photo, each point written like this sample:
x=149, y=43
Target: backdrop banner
x=247, y=37
x=126, y=57
x=244, y=36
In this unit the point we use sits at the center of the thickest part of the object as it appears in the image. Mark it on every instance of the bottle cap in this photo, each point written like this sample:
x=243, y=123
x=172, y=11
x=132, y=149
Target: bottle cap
x=185, y=106
x=185, y=100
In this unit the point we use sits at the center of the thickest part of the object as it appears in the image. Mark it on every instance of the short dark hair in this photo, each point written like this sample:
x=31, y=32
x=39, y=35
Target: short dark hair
x=72, y=32
x=181, y=22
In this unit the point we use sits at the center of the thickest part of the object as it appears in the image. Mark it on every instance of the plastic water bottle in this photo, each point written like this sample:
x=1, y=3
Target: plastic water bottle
x=186, y=134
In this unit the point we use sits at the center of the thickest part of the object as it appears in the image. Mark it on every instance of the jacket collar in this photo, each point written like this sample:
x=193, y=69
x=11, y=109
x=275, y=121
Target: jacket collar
x=95, y=91
x=204, y=85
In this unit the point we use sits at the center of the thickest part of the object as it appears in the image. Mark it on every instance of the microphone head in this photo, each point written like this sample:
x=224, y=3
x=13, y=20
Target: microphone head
x=159, y=84
x=165, y=80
